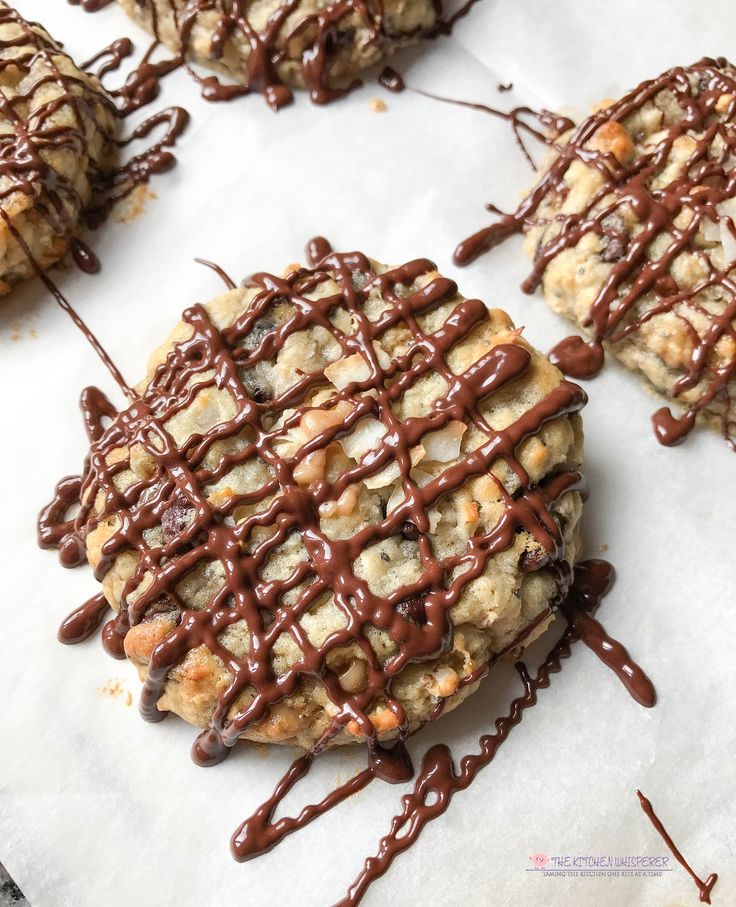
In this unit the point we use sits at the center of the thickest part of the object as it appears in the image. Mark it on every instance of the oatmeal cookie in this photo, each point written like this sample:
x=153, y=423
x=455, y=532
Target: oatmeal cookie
x=341, y=495
x=632, y=229
x=267, y=45
x=56, y=135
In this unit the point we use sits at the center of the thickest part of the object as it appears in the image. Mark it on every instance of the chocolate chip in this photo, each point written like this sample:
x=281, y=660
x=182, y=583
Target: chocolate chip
x=257, y=392
x=163, y=605
x=613, y=247
x=177, y=518
x=533, y=560
x=252, y=340
x=412, y=609
x=409, y=532
x=385, y=557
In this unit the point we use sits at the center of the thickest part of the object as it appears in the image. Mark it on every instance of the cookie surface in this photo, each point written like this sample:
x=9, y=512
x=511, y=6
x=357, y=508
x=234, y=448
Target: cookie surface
x=57, y=127
x=342, y=494
x=267, y=45
x=632, y=229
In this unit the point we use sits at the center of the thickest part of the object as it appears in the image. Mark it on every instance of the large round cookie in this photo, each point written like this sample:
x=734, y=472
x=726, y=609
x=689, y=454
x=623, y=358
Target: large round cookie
x=342, y=494
x=57, y=127
x=269, y=44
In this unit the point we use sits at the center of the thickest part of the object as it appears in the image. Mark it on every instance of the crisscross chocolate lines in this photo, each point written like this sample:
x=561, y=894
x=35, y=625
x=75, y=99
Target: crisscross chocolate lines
x=199, y=529
x=671, y=204
x=35, y=127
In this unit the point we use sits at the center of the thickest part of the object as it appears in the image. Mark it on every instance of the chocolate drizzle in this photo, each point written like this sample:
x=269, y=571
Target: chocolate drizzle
x=179, y=475
x=548, y=125
x=438, y=779
x=194, y=530
x=24, y=154
x=640, y=287
x=704, y=887
x=321, y=34
x=83, y=621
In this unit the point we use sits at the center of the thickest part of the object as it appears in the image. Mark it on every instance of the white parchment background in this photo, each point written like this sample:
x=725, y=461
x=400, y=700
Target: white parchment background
x=99, y=808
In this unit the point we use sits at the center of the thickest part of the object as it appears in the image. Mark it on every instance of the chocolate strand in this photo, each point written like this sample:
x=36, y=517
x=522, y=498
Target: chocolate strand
x=705, y=182
x=551, y=124
x=704, y=887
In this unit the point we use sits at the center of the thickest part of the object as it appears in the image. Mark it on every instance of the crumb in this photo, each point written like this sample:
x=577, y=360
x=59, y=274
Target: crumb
x=114, y=688
x=133, y=205
x=377, y=105
x=603, y=548
x=33, y=333
x=501, y=87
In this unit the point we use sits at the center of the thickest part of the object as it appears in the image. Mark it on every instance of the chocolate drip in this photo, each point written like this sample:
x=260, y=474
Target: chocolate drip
x=84, y=258
x=392, y=80
x=704, y=887
x=325, y=30
x=83, y=621
x=110, y=57
x=91, y=6
x=706, y=181
x=317, y=249
x=592, y=580
x=258, y=834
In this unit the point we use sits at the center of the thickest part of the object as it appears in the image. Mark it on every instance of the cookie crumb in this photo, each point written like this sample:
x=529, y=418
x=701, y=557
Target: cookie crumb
x=133, y=205
x=603, y=548
x=114, y=688
x=378, y=106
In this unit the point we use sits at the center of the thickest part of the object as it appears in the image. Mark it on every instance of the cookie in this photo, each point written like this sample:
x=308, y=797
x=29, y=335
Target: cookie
x=56, y=137
x=632, y=229
x=340, y=496
x=269, y=45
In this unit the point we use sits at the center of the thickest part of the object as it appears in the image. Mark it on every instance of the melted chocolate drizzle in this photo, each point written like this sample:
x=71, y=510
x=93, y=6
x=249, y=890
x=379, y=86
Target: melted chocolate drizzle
x=180, y=475
x=704, y=887
x=194, y=531
x=549, y=125
x=324, y=29
x=438, y=779
x=616, y=313
x=22, y=152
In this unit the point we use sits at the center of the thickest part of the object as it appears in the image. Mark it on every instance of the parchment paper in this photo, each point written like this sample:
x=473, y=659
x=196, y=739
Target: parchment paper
x=99, y=808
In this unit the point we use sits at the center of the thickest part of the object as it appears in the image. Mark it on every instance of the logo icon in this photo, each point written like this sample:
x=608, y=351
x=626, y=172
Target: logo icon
x=539, y=860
